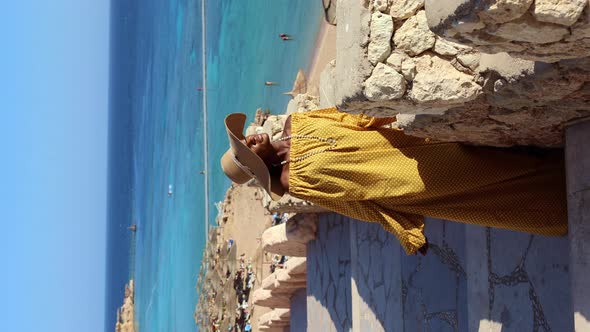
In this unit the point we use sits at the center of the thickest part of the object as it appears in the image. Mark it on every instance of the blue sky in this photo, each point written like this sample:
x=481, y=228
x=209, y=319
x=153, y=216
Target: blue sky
x=53, y=147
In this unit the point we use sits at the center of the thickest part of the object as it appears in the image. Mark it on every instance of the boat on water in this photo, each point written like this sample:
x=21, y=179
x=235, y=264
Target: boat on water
x=132, y=228
x=170, y=190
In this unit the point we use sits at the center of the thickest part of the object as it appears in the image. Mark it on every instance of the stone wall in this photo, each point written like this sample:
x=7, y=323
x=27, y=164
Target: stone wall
x=540, y=30
x=389, y=62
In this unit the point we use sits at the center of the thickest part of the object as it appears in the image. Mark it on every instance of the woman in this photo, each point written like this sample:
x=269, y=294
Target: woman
x=350, y=164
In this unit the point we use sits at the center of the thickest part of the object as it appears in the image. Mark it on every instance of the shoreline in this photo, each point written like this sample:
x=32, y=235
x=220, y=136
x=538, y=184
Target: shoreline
x=324, y=52
x=243, y=220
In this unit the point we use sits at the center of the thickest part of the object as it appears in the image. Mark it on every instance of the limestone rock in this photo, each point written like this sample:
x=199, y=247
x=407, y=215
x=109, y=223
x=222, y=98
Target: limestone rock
x=437, y=81
x=443, y=46
x=469, y=60
x=528, y=30
x=299, y=85
x=381, y=31
x=502, y=11
x=403, y=9
x=291, y=238
x=564, y=12
x=126, y=314
x=395, y=60
x=330, y=11
x=581, y=29
x=384, y=84
x=409, y=68
x=414, y=36
x=302, y=103
x=381, y=5
x=273, y=125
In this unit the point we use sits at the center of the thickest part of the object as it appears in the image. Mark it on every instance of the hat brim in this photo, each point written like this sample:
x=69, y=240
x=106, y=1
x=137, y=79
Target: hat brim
x=234, y=125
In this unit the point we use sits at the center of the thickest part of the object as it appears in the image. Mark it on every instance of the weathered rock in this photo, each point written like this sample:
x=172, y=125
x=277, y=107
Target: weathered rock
x=302, y=103
x=443, y=46
x=502, y=11
x=384, y=84
x=291, y=238
x=547, y=31
x=581, y=29
x=273, y=125
x=381, y=5
x=409, y=68
x=395, y=60
x=299, y=85
x=437, y=81
x=414, y=36
x=126, y=314
x=330, y=11
x=528, y=30
x=403, y=9
x=524, y=105
x=469, y=60
x=565, y=12
x=381, y=32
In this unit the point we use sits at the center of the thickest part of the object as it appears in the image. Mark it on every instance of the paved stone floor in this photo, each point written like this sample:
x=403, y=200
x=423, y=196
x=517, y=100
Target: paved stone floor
x=473, y=278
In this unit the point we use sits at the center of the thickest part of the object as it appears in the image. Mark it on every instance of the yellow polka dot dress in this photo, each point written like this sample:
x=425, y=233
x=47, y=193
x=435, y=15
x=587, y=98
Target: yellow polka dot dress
x=351, y=165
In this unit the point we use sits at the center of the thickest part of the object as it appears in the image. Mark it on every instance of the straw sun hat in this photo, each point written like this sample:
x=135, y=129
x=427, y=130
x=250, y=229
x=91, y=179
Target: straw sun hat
x=241, y=164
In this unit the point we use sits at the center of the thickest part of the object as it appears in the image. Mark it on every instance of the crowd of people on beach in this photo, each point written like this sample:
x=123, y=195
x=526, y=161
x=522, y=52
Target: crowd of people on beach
x=244, y=279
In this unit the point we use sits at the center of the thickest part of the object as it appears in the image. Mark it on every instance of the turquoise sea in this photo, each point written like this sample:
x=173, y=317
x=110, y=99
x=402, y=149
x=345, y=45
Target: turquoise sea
x=156, y=132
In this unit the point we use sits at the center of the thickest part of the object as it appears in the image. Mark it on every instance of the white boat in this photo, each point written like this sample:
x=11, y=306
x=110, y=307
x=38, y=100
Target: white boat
x=169, y=190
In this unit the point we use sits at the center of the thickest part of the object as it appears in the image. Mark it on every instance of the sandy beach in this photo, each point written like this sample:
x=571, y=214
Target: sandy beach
x=324, y=52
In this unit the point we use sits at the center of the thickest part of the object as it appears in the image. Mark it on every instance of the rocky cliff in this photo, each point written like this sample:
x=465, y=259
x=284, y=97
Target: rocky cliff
x=126, y=314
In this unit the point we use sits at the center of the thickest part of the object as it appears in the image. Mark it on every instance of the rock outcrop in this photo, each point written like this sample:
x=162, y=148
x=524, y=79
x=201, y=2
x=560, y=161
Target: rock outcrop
x=539, y=30
x=330, y=11
x=299, y=85
x=126, y=314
